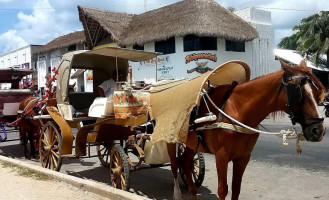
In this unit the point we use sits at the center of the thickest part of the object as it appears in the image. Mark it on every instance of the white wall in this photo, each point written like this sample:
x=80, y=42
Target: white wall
x=259, y=53
x=20, y=58
x=176, y=65
x=50, y=59
x=17, y=58
x=263, y=58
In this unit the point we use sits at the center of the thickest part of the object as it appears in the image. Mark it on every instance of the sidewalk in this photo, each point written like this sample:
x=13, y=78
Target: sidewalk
x=21, y=180
x=18, y=183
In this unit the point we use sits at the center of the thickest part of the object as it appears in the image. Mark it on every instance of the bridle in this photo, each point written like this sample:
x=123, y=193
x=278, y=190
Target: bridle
x=294, y=96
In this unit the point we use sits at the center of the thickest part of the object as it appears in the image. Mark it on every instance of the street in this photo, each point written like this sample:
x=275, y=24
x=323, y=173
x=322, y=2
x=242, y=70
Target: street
x=274, y=172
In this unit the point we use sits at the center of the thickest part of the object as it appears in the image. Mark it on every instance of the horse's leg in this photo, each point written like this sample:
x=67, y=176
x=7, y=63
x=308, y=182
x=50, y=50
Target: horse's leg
x=30, y=138
x=239, y=166
x=23, y=138
x=174, y=167
x=222, y=160
x=187, y=168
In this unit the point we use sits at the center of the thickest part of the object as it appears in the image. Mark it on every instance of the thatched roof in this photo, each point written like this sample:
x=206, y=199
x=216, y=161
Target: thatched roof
x=199, y=17
x=98, y=23
x=77, y=37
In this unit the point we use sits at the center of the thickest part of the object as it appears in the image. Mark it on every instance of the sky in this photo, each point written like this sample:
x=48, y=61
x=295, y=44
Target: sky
x=25, y=22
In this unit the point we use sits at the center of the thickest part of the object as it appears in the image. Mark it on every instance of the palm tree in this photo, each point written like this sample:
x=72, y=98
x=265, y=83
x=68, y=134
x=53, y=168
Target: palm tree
x=311, y=37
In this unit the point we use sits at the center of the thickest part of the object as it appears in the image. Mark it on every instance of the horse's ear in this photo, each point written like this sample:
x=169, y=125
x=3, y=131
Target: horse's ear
x=304, y=65
x=287, y=68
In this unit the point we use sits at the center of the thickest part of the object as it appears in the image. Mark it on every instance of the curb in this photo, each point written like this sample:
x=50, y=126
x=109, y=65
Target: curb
x=84, y=184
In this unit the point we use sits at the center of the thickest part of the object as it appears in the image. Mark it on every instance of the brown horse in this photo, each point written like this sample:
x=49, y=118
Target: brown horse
x=294, y=90
x=29, y=129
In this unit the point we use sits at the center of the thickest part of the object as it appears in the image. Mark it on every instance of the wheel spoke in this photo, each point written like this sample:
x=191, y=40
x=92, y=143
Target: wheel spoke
x=44, y=142
x=55, y=161
x=102, y=148
x=104, y=153
x=51, y=162
x=107, y=158
x=55, y=154
x=195, y=176
x=46, y=138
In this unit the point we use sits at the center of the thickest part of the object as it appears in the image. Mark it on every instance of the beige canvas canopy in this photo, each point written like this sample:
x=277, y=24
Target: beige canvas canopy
x=103, y=61
x=171, y=108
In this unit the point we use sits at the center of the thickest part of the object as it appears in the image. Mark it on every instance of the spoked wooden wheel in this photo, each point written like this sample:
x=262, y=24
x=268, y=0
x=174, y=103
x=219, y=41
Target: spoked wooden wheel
x=50, y=147
x=119, y=168
x=198, y=168
x=103, y=153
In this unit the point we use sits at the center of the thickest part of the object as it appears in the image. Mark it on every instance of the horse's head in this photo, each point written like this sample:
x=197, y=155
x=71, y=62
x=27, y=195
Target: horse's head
x=303, y=94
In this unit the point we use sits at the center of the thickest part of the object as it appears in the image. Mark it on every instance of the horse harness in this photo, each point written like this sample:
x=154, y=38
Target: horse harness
x=293, y=96
x=195, y=113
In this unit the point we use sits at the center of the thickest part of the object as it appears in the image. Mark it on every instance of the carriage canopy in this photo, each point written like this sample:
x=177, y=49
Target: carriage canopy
x=103, y=61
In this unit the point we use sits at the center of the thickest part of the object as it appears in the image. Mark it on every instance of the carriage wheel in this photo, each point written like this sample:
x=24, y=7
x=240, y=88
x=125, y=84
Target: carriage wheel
x=103, y=153
x=198, y=170
x=50, y=147
x=119, y=168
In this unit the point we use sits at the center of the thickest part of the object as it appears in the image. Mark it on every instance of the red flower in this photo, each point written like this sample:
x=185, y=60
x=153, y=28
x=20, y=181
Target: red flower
x=55, y=71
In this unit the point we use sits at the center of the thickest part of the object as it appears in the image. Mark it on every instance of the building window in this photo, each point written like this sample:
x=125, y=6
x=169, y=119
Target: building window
x=72, y=47
x=235, y=46
x=166, y=47
x=40, y=58
x=138, y=47
x=196, y=43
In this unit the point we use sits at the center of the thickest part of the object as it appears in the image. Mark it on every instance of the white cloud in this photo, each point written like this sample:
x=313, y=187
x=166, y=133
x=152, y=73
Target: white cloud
x=10, y=41
x=41, y=26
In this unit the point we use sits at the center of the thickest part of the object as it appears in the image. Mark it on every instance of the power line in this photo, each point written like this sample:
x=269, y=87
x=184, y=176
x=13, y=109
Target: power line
x=290, y=9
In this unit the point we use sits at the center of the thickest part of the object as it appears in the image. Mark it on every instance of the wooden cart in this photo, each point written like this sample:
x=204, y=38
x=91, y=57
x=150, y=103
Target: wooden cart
x=11, y=97
x=118, y=140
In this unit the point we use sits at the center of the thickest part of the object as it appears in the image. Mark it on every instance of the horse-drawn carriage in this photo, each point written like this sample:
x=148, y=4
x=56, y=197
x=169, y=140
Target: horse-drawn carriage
x=11, y=97
x=179, y=111
x=118, y=125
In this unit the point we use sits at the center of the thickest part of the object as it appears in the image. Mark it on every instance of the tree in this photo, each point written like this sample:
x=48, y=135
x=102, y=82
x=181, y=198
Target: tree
x=311, y=37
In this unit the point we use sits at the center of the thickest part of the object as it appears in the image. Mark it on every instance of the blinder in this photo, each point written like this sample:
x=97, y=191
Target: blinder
x=294, y=94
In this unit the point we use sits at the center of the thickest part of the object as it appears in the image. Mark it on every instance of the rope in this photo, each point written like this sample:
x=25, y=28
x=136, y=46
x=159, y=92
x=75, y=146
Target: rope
x=283, y=133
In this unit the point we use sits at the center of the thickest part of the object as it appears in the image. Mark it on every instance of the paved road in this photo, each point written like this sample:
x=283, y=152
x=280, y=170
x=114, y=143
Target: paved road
x=274, y=172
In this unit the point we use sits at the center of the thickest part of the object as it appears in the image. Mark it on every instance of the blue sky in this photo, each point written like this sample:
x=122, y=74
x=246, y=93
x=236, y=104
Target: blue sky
x=26, y=22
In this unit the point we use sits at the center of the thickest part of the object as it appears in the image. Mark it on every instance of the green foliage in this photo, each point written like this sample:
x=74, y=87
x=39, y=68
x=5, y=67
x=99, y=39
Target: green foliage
x=311, y=37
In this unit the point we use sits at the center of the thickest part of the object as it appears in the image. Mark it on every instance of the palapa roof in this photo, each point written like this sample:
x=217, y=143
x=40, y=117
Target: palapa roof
x=98, y=23
x=199, y=17
x=77, y=37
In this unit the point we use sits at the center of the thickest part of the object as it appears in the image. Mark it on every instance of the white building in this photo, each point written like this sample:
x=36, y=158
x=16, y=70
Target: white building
x=193, y=35
x=20, y=58
x=50, y=55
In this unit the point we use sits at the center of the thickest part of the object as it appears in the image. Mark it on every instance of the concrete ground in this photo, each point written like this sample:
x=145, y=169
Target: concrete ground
x=275, y=172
